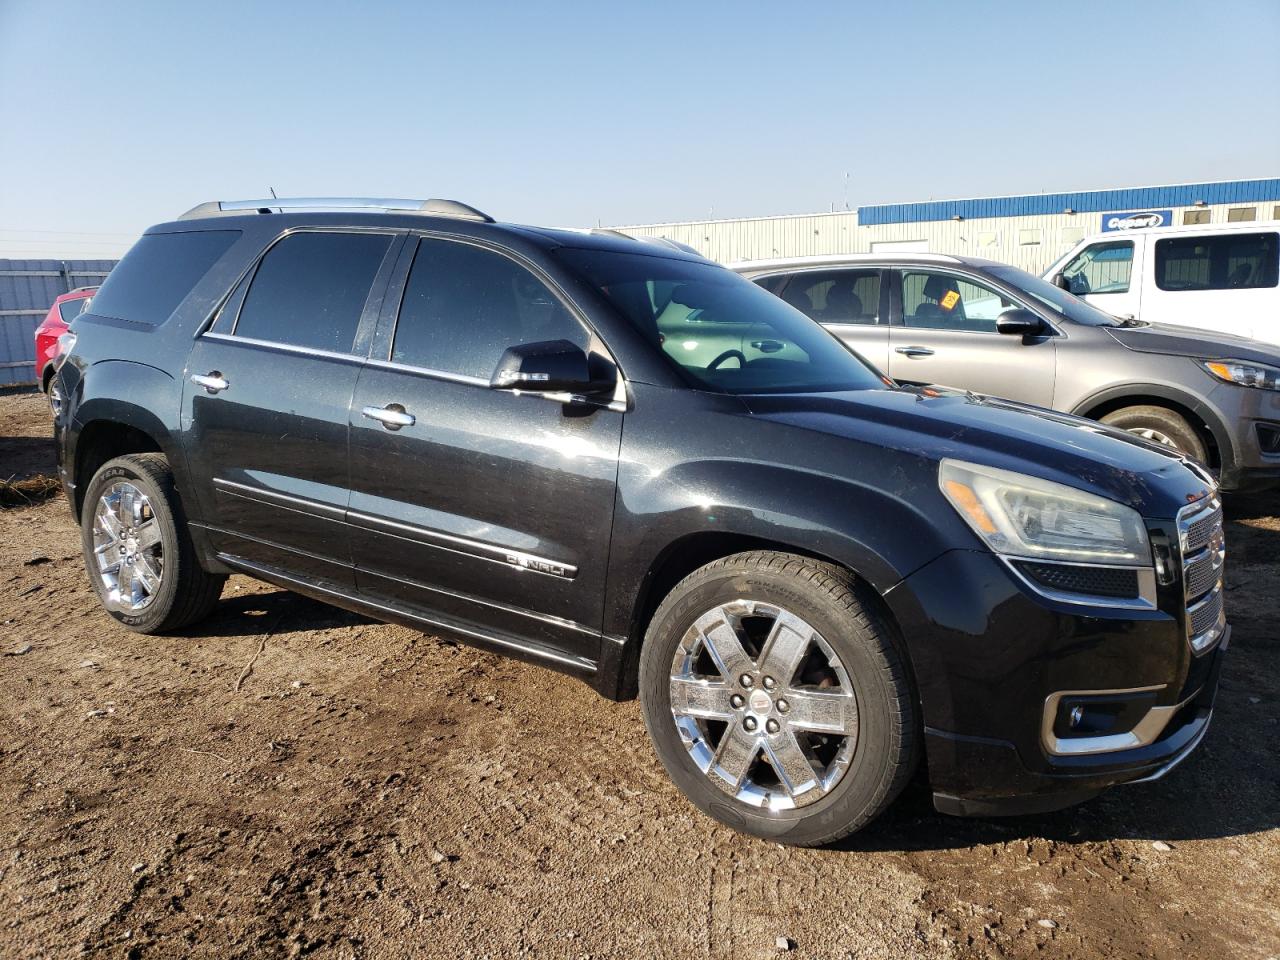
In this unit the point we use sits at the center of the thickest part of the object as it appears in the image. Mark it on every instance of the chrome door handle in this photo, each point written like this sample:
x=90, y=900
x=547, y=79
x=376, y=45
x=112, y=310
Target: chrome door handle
x=213, y=381
x=392, y=416
x=914, y=352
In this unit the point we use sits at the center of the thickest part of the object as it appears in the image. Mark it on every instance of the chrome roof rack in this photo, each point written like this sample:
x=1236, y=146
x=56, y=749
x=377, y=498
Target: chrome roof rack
x=431, y=208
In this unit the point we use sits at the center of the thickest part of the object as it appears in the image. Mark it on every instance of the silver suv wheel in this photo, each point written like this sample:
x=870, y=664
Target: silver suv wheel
x=763, y=705
x=127, y=547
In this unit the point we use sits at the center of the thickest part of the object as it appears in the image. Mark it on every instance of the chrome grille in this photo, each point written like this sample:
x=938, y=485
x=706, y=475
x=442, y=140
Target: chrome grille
x=1205, y=614
x=1200, y=526
x=1202, y=574
x=1203, y=556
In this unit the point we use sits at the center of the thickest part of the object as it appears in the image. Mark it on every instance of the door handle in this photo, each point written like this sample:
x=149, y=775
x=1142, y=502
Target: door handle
x=213, y=381
x=393, y=416
x=914, y=352
x=767, y=346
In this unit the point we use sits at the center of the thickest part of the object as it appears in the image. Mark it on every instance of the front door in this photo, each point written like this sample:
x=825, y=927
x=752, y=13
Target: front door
x=266, y=402
x=945, y=334
x=487, y=510
x=1108, y=275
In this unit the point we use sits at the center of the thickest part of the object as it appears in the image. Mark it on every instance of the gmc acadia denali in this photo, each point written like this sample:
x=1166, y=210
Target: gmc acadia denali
x=812, y=577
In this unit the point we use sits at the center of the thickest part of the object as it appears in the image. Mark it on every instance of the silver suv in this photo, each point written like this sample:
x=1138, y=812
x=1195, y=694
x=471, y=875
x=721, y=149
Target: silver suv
x=994, y=329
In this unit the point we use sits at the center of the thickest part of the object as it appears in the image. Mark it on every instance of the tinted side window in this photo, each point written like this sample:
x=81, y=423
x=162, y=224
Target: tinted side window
x=310, y=290
x=464, y=305
x=942, y=302
x=1231, y=261
x=836, y=296
x=772, y=284
x=68, y=310
x=157, y=274
x=1101, y=268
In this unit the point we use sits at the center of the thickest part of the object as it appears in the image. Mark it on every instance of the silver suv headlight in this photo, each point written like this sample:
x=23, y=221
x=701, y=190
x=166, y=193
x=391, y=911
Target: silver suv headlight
x=1244, y=374
x=1022, y=516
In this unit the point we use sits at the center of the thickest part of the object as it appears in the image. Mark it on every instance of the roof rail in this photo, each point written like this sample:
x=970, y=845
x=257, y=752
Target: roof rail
x=431, y=208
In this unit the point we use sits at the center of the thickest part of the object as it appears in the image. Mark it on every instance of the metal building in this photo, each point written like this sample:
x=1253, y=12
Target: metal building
x=1028, y=231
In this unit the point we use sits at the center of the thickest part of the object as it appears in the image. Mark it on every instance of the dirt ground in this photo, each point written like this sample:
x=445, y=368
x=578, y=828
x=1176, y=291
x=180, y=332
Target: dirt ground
x=287, y=779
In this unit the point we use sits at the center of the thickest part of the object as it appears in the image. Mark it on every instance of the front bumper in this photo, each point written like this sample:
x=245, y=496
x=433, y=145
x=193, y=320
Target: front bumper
x=989, y=654
x=1252, y=417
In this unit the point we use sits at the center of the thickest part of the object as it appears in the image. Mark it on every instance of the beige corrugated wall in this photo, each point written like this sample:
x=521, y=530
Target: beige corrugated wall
x=1032, y=243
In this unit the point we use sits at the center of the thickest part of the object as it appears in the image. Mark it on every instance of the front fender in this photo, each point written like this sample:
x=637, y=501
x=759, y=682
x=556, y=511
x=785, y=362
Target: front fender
x=1138, y=392
x=870, y=508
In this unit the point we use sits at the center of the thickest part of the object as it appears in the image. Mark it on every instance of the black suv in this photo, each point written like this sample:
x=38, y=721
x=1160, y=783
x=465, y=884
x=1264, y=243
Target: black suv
x=517, y=437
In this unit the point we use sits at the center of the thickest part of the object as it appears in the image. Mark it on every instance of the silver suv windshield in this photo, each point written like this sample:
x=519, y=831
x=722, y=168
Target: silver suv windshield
x=1055, y=298
x=723, y=332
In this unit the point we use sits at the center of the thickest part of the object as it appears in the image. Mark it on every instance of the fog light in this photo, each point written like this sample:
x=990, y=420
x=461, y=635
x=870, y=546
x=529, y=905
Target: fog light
x=1077, y=714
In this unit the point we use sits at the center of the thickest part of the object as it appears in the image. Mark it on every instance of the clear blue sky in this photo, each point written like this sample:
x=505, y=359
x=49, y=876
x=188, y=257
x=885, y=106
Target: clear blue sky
x=116, y=115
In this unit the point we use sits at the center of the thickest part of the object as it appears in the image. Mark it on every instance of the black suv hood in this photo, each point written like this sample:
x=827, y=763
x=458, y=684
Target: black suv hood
x=933, y=423
x=1177, y=341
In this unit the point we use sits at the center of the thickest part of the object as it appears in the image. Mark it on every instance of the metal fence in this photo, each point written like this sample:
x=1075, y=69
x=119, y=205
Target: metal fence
x=27, y=290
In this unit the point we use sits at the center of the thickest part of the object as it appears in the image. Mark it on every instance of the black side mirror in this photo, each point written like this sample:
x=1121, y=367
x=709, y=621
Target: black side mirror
x=1061, y=282
x=553, y=366
x=1019, y=322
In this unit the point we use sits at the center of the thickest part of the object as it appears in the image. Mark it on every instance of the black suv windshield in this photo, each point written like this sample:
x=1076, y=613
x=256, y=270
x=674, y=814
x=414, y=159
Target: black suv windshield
x=725, y=333
x=1067, y=304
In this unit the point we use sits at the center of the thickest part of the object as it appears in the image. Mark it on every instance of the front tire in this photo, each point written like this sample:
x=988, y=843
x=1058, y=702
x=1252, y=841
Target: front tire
x=777, y=699
x=138, y=551
x=1160, y=425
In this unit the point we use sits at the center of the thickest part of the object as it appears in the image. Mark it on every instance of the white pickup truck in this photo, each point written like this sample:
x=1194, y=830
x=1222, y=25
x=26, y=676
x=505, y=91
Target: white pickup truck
x=1221, y=277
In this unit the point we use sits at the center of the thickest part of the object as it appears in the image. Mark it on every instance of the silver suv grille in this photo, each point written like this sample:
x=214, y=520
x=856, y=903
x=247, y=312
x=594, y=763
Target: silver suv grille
x=1203, y=554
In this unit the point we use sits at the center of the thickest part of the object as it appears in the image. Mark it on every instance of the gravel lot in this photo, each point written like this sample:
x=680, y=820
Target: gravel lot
x=289, y=779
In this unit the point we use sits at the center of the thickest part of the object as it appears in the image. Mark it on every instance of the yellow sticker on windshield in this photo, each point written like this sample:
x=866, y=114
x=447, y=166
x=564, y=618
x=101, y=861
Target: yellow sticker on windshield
x=950, y=300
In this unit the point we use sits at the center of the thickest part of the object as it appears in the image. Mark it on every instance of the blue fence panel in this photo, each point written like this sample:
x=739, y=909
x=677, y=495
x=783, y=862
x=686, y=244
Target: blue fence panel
x=27, y=291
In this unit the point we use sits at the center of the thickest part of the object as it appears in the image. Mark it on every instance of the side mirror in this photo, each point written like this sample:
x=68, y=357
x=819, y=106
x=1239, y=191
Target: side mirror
x=1060, y=281
x=1019, y=323
x=553, y=366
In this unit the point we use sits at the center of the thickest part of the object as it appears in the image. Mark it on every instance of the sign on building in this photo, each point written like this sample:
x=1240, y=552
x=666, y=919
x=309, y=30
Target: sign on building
x=1131, y=220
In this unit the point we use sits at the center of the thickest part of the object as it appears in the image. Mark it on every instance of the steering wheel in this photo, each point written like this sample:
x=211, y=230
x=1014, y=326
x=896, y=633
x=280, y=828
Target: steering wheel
x=742, y=358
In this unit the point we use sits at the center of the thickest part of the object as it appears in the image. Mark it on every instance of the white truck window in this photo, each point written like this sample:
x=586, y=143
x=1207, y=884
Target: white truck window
x=1229, y=261
x=1101, y=268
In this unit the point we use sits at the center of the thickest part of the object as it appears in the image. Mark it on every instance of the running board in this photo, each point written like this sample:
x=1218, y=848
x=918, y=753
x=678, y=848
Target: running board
x=386, y=611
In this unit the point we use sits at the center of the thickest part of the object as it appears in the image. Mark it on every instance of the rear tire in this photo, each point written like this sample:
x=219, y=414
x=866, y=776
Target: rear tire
x=1160, y=425
x=845, y=712
x=138, y=551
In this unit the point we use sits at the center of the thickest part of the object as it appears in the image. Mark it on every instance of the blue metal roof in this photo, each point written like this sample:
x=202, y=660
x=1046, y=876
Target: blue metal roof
x=1132, y=198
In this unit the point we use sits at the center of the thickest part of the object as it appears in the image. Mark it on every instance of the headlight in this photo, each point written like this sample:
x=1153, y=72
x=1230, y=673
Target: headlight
x=1021, y=516
x=1244, y=374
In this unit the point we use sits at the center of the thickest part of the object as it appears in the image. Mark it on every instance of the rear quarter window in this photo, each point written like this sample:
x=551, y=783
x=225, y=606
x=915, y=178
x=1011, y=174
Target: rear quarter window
x=157, y=274
x=68, y=310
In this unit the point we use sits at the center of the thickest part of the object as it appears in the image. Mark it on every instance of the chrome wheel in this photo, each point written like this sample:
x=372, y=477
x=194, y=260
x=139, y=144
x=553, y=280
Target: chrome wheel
x=763, y=705
x=1155, y=436
x=126, y=547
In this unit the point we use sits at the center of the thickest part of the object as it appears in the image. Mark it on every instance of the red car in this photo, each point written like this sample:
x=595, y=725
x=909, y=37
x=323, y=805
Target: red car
x=65, y=309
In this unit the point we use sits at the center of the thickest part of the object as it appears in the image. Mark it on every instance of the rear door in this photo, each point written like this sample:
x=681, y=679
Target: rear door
x=945, y=333
x=488, y=510
x=1225, y=282
x=267, y=396
x=851, y=303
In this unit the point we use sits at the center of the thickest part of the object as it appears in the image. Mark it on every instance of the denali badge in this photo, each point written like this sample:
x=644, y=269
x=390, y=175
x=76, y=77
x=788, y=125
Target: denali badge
x=526, y=562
